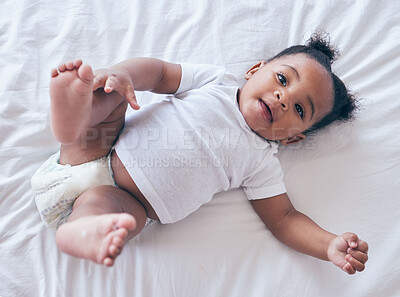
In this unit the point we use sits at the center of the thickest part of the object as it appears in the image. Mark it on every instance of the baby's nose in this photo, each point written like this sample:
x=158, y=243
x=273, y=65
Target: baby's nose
x=281, y=101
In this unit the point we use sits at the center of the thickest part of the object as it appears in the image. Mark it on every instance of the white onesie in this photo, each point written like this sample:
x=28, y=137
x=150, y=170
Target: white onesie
x=184, y=149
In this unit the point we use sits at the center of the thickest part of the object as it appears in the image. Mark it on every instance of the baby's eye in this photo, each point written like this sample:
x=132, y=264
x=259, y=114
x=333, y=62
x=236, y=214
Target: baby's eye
x=282, y=79
x=299, y=110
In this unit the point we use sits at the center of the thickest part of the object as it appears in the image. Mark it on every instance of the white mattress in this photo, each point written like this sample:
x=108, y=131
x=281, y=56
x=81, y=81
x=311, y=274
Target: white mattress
x=345, y=177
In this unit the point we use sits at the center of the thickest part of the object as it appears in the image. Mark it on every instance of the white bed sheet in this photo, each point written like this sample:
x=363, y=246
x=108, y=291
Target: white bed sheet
x=345, y=177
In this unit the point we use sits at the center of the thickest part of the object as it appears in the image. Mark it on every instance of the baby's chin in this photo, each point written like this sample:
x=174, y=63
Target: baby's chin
x=266, y=134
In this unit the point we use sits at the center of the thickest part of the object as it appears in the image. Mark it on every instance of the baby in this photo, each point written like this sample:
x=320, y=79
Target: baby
x=108, y=181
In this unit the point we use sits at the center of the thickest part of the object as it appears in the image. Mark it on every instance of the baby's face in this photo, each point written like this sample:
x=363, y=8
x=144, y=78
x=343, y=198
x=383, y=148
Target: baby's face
x=285, y=97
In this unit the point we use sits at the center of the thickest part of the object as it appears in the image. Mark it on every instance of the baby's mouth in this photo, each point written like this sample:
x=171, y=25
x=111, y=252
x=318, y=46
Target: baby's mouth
x=266, y=111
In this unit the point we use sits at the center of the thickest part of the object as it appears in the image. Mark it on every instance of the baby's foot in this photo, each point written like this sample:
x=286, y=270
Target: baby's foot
x=96, y=238
x=71, y=100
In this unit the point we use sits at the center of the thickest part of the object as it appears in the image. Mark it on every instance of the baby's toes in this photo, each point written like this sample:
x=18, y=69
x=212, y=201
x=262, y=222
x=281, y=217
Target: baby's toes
x=77, y=63
x=54, y=72
x=108, y=261
x=69, y=65
x=114, y=251
x=118, y=241
x=120, y=233
x=62, y=67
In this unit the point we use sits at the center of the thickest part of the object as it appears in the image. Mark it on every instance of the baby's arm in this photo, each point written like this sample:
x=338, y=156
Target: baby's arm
x=300, y=233
x=141, y=74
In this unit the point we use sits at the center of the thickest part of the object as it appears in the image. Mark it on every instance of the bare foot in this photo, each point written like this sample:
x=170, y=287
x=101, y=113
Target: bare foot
x=97, y=238
x=71, y=93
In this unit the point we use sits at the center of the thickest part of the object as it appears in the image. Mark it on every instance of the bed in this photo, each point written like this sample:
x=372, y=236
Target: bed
x=345, y=177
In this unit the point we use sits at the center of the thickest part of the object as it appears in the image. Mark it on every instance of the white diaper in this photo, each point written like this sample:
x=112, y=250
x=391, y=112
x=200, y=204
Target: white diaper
x=56, y=186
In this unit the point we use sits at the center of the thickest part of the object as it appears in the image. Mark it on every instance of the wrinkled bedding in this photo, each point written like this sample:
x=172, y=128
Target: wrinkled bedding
x=345, y=177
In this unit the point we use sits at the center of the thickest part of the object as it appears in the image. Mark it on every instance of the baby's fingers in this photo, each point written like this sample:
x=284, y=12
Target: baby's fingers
x=351, y=239
x=348, y=268
x=358, y=254
x=355, y=264
x=99, y=80
x=110, y=84
x=362, y=246
x=130, y=96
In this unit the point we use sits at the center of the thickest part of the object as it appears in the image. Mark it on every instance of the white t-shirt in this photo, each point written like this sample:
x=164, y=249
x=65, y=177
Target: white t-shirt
x=190, y=145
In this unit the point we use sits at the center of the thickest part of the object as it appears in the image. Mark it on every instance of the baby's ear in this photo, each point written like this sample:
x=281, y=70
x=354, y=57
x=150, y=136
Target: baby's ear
x=254, y=69
x=294, y=139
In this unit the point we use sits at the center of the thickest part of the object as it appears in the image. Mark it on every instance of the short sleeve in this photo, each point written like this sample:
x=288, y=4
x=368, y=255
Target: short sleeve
x=195, y=76
x=267, y=180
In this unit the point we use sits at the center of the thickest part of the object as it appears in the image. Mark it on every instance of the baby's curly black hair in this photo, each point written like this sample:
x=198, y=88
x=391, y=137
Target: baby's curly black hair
x=318, y=48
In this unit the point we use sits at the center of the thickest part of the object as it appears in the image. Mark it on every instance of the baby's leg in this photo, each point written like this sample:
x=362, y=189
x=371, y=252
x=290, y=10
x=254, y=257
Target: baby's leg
x=103, y=219
x=74, y=105
x=86, y=123
x=71, y=97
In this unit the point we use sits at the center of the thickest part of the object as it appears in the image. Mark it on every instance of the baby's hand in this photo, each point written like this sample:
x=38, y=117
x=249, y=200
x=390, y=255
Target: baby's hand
x=115, y=80
x=348, y=252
